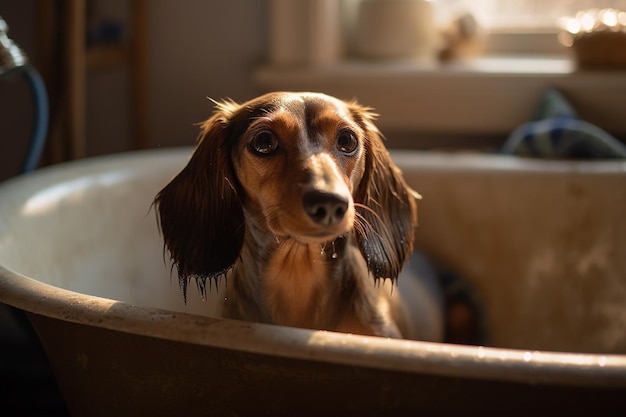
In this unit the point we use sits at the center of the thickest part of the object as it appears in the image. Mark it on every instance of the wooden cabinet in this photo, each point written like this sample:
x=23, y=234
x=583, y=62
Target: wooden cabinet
x=65, y=61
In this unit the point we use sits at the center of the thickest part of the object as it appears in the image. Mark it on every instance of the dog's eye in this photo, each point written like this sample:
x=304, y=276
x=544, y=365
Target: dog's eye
x=264, y=143
x=347, y=142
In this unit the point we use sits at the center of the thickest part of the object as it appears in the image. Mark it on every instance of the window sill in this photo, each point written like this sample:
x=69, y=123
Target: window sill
x=485, y=97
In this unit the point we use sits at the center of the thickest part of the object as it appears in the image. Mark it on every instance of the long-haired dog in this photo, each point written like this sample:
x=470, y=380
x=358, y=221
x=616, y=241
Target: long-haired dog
x=294, y=197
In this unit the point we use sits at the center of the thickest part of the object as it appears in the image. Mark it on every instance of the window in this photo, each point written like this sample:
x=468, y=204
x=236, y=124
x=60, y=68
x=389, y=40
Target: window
x=520, y=26
x=309, y=27
x=516, y=15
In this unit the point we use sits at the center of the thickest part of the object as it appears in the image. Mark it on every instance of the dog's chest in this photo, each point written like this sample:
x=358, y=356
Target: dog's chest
x=295, y=281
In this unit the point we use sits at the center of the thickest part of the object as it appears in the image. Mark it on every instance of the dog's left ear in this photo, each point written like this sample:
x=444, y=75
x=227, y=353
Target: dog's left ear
x=389, y=205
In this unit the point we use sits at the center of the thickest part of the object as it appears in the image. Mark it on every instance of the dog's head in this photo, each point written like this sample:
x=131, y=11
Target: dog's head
x=300, y=166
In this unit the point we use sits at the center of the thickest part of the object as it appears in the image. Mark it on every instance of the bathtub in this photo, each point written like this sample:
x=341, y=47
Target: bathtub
x=542, y=243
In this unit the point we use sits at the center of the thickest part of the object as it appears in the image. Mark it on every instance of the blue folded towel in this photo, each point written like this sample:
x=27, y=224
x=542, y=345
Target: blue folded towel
x=556, y=132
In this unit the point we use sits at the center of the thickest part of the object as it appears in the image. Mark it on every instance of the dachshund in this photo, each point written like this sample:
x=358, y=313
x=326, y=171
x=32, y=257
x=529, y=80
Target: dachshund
x=294, y=198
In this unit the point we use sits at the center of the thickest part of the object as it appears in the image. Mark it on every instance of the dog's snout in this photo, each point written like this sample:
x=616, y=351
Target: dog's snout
x=325, y=208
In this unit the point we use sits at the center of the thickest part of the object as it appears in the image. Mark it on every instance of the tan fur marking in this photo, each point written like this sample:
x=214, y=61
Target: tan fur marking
x=293, y=278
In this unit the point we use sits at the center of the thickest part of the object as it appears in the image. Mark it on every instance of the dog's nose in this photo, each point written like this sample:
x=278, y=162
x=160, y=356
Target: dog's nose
x=325, y=208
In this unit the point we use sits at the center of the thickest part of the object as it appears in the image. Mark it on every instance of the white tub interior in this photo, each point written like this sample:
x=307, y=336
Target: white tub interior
x=91, y=229
x=543, y=243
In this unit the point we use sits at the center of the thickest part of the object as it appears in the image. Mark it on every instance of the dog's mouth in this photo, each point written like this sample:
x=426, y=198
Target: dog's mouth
x=286, y=227
x=327, y=247
x=320, y=238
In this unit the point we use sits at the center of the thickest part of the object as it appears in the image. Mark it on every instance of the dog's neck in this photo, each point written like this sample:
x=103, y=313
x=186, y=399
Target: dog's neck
x=289, y=281
x=294, y=281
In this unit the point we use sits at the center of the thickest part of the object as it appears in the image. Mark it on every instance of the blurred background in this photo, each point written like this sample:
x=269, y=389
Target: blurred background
x=124, y=75
x=132, y=74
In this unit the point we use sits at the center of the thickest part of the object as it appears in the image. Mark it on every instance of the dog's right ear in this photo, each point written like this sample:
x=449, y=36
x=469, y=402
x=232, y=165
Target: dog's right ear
x=199, y=212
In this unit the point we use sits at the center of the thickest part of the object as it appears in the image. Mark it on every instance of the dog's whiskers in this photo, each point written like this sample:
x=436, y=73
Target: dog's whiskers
x=361, y=225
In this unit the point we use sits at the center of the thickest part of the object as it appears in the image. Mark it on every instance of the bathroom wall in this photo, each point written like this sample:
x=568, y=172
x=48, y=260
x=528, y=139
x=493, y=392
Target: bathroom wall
x=196, y=49
x=200, y=49
x=210, y=48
